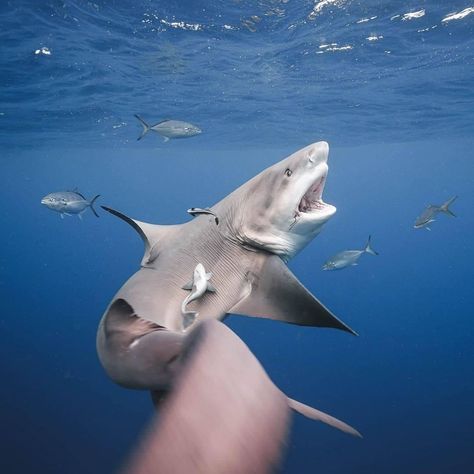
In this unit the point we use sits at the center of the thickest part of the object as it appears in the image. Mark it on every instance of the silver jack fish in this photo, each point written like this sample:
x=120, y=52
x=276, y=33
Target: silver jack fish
x=429, y=214
x=170, y=129
x=348, y=257
x=69, y=203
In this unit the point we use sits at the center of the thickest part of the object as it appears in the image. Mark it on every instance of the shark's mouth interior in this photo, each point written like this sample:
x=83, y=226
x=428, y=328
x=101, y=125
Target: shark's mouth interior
x=312, y=199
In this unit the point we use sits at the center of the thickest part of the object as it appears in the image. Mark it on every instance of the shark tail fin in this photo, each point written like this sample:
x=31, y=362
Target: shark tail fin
x=368, y=248
x=91, y=204
x=445, y=207
x=313, y=414
x=146, y=127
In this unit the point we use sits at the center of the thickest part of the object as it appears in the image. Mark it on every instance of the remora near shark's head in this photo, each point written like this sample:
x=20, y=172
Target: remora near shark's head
x=281, y=209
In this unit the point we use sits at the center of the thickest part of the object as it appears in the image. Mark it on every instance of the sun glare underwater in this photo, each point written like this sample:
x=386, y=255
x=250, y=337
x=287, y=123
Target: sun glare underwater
x=153, y=108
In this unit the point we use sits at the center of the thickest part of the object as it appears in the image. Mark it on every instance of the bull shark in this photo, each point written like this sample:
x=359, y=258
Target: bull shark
x=262, y=224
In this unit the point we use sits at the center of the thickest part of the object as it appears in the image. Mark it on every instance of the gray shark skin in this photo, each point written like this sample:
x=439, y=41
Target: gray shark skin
x=262, y=224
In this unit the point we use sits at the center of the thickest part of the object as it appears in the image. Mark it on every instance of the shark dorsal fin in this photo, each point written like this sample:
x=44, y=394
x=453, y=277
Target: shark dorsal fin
x=274, y=292
x=149, y=233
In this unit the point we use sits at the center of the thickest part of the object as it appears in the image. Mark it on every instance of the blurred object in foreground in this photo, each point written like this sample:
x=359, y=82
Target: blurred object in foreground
x=224, y=415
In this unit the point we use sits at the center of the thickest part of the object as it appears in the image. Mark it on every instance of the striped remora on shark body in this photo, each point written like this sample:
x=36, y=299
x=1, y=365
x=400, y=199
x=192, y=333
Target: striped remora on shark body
x=198, y=286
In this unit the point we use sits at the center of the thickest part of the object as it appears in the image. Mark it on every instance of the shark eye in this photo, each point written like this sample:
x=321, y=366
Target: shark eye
x=288, y=172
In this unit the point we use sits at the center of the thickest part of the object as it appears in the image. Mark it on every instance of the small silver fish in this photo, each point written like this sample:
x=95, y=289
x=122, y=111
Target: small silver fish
x=170, y=129
x=429, y=214
x=348, y=257
x=196, y=211
x=68, y=203
x=198, y=286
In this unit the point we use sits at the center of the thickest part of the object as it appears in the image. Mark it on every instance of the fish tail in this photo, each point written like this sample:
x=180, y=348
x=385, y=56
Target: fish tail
x=146, y=127
x=91, y=204
x=369, y=249
x=445, y=207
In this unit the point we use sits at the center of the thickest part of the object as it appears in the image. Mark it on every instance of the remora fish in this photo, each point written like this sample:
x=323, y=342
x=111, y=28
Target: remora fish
x=263, y=223
x=69, y=202
x=429, y=214
x=348, y=257
x=196, y=211
x=170, y=129
x=198, y=286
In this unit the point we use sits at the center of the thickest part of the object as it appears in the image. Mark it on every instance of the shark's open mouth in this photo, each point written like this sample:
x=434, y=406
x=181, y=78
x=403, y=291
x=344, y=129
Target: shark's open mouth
x=312, y=199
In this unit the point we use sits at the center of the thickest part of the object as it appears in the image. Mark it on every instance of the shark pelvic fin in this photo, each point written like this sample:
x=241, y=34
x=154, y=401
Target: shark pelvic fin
x=149, y=233
x=123, y=326
x=275, y=293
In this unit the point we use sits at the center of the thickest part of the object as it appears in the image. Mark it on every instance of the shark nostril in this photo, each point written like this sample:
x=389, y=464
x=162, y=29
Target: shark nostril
x=311, y=155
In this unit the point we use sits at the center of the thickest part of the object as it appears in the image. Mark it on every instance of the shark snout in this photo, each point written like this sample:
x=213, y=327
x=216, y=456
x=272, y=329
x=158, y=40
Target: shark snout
x=318, y=153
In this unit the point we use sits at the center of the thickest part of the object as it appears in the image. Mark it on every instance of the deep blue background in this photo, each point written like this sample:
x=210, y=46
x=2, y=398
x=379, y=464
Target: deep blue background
x=400, y=127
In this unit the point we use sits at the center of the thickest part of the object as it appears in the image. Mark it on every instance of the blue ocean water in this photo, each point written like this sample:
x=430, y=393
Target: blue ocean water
x=387, y=83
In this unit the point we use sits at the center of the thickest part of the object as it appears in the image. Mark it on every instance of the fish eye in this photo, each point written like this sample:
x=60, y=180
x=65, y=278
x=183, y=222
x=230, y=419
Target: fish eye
x=288, y=172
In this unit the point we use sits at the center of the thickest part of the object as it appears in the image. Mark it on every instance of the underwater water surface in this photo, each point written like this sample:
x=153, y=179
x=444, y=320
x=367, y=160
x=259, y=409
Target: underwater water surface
x=389, y=86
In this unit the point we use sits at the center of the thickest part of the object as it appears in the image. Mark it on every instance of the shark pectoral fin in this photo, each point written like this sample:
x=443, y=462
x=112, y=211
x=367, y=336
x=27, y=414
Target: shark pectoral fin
x=275, y=293
x=149, y=233
x=188, y=286
x=166, y=139
x=211, y=288
x=208, y=276
x=313, y=414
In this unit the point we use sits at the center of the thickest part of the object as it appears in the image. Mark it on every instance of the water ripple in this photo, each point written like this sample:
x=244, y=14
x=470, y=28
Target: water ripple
x=253, y=72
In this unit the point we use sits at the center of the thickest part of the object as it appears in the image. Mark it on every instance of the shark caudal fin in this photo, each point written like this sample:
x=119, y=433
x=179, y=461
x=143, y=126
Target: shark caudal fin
x=368, y=248
x=313, y=414
x=146, y=127
x=445, y=207
x=91, y=204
